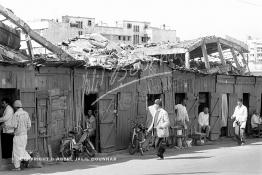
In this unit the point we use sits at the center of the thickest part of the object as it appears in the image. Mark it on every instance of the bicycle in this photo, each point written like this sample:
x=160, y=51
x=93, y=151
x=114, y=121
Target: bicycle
x=70, y=149
x=138, y=138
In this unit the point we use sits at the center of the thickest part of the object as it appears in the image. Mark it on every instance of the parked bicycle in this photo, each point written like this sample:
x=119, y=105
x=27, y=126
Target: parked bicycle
x=138, y=139
x=77, y=143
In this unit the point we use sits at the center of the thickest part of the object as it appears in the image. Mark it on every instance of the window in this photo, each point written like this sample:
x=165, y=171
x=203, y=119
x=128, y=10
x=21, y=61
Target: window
x=179, y=97
x=119, y=37
x=146, y=26
x=89, y=23
x=203, y=101
x=136, y=28
x=80, y=32
x=73, y=25
x=129, y=26
x=79, y=24
x=124, y=38
x=152, y=97
x=128, y=38
x=144, y=39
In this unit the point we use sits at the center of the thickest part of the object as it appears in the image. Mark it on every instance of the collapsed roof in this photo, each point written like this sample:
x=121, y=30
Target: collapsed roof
x=219, y=55
x=95, y=50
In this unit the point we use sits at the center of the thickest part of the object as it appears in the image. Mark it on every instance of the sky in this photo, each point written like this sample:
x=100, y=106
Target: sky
x=190, y=18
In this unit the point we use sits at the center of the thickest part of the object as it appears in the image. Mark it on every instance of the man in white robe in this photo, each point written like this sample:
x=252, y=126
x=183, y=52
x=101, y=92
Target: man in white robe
x=240, y=116
x=21, y=124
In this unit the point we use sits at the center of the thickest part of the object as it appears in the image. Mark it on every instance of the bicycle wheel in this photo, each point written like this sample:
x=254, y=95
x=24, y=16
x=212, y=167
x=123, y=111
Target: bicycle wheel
x=66, y=151
x=133, y=147
x=89, y=149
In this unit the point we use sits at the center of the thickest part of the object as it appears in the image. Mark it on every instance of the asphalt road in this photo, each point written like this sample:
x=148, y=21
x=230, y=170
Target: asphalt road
x=213, y=159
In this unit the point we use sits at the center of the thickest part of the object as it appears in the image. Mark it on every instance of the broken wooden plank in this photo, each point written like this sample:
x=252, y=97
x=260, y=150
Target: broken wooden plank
x=220, y=51
x=244, y=61
x=235, y=58
x=187, y=57
x=34, y=35
x=204, y=52
x=29, y=46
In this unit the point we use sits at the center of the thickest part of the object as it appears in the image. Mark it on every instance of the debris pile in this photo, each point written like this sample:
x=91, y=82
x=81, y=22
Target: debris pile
x=96, y=50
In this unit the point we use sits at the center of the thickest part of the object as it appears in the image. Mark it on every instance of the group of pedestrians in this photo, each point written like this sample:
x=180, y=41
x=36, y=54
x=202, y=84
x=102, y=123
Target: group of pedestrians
x=158, y=122
x=15, y=123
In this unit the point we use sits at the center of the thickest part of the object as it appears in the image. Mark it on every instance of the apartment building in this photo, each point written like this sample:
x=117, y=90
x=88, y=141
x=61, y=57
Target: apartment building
x=255, y=55
x=129, y=32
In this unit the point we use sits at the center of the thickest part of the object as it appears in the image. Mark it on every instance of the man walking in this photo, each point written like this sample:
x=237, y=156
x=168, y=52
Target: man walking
x=240, y=116
x=182, y=115
x=203, y=121
x=8, y=133
x=21, y=124
x=160, y=125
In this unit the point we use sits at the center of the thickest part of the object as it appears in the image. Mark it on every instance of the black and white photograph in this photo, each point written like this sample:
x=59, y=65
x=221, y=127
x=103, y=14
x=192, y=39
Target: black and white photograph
x=130, y=87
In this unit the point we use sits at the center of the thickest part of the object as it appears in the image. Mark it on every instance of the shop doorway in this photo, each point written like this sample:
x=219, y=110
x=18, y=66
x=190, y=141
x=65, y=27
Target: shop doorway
x=204, y=101
x=6, y=139
x=152, y=97
x=246, y=100
x=246, y=97
x=224, y=114
x=88, y=100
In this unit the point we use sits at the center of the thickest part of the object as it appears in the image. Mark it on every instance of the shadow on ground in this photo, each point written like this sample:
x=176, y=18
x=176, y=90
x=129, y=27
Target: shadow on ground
x=207, y=172
x=125, y=157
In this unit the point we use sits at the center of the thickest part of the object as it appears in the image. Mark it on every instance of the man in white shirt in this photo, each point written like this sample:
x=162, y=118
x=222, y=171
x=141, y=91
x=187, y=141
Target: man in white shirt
x=21, y=123
x=240, y=116
x=182, y=115
x=203, y=121
x=255, y=120
x=8, y=133
x=160, y=125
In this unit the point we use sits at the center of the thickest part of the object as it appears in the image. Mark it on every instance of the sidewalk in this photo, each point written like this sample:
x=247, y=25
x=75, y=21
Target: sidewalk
x=124, y=156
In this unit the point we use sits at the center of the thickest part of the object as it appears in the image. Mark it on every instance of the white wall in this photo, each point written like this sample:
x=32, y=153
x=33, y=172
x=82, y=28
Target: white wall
x=160, y=35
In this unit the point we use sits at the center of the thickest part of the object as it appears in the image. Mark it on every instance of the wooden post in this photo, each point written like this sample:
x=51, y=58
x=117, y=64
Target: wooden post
x=29, y=46
x=204, y=52
x=187, y=57
x=220, y=51
x=235, y=58
x=34, y=35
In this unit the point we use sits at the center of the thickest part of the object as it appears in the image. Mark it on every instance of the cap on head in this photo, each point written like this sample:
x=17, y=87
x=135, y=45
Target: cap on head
x=18, y=104
x=158, y=102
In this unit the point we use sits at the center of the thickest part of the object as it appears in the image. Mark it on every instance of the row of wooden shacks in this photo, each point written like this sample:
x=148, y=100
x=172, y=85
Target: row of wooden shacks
x=55, y=95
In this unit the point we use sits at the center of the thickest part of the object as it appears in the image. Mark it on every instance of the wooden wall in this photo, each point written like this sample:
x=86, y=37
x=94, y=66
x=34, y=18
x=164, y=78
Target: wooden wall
x=58, y=95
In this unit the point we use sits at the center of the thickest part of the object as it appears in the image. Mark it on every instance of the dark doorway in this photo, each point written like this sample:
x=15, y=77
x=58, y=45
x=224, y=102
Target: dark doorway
x=204, y=101
x=6, y=139
x=89, y=99
x=246, y=103
x=246, y=100
x=152, y=97
x=179, y=97
x=226, y=112
x=261, y=105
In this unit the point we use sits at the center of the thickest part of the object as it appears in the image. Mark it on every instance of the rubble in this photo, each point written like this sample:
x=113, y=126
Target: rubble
x=96, y=50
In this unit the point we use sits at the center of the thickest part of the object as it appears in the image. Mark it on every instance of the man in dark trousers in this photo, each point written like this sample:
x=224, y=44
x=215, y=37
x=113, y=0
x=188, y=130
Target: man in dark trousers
x=8, y=133
x=160, y=125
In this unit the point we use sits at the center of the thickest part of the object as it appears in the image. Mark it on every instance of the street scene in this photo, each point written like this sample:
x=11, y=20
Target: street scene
x=136, y=87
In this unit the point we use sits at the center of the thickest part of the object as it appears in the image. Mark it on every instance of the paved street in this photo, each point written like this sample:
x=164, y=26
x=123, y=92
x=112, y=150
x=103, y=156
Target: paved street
x=222, y=158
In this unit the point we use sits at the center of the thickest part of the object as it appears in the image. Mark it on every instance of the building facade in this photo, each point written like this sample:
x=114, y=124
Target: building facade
x=128, y=32
x=255, y=55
